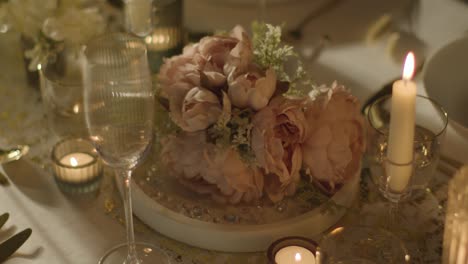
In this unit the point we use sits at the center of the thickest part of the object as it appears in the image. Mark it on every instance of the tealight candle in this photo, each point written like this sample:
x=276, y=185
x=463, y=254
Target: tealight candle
x=77, y=159
x=402, y=126
x=76, y=164
x=292, y=250
x=294, y=254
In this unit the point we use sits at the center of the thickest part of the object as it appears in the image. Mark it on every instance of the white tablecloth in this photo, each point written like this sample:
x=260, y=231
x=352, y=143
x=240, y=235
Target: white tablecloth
x=78, y=230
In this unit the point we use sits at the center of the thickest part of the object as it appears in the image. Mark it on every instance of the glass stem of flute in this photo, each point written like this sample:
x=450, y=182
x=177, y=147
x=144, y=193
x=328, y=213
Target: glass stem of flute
x=127, y=177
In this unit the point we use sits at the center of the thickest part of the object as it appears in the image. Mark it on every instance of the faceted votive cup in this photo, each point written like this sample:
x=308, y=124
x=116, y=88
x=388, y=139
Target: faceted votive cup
x=77, y=167
x=431, y=123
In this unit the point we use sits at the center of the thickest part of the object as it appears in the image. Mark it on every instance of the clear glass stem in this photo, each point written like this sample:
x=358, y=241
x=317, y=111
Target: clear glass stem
x=132, y=257
x=393, y=210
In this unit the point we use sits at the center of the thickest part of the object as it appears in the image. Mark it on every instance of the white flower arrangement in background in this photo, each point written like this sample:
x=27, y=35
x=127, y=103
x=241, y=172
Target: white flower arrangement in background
x=51, y=24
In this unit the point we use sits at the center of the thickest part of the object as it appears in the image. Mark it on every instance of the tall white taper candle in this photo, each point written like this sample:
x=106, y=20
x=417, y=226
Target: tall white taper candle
x=402, y=126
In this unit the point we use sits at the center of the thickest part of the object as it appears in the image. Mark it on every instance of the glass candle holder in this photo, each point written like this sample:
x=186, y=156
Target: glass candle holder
x=167, y=36
x=62, y=94
x=431, y=123
x=361, y=245
x=77, y=167
x=455, y=245
x=292, y=250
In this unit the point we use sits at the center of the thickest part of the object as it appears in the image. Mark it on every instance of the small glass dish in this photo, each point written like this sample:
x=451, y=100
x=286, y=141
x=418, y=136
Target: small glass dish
x=363, y=245
x=77, y=167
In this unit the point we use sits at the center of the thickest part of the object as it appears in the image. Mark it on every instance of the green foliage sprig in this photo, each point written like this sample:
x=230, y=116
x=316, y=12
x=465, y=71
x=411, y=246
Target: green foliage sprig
x=236, y=132
x=270, y=52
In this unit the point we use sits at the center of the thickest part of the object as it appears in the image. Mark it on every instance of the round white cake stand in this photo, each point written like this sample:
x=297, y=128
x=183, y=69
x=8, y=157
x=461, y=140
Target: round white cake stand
x=239, y=237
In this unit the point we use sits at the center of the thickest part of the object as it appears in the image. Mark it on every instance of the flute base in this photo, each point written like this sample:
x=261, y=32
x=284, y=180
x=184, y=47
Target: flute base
x=147, y=254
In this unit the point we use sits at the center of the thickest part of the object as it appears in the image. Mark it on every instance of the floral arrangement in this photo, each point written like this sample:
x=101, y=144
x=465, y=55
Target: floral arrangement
x=51, y=24
x=244, y=128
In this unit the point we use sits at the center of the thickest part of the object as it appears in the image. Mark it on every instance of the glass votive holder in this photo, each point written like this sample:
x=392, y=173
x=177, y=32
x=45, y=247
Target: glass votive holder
x=76, y=164
x=455, y=245
x=292, y=249
x=430, y=125
x=361, y=245
x=62, y=94
x=394, y=181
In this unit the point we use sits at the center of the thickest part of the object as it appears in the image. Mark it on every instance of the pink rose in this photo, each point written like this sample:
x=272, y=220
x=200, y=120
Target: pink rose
x=178, y=75
x=199, y=109
x=335, y=140
x=181, y=154
x=278, y=132
x=241, y=56
x=207, y=169
x=252, y=89
x=200, y=72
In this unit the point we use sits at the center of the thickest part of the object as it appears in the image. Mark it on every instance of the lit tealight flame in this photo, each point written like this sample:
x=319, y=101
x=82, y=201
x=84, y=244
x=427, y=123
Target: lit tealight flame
x=408, y=68
x=298, y=257
x=73, y=162
x=76, y=108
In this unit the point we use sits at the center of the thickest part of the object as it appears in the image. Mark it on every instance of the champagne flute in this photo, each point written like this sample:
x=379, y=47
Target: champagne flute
x=119, y=103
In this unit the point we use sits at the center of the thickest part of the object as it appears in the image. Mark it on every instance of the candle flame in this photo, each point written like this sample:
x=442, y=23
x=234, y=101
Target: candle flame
x=73, y=162
x=298, y=257
x=408, y=68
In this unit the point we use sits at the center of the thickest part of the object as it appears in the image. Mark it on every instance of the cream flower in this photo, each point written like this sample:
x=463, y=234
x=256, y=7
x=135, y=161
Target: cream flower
x=74, y=25
x=207, y=169
x=27, y=16
x=335, y=140
x=252, y=90
x=277, y=134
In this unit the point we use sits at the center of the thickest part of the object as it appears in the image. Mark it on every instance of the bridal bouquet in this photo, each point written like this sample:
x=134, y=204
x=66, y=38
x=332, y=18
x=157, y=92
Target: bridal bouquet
x=245, y=130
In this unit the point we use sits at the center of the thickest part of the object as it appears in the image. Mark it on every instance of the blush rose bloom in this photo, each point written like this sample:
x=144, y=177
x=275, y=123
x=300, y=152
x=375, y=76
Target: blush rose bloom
x=335, y=140
x=278, y=132
x=197, y=76
x=200, y=108
x=252, y=89
x=206, y=169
